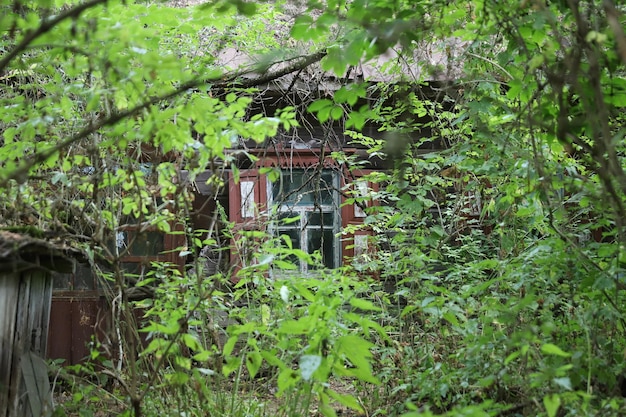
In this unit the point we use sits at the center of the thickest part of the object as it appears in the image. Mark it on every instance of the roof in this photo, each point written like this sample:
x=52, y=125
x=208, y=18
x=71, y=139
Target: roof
x=432, y=63
x=20, y=252
x=429, y=60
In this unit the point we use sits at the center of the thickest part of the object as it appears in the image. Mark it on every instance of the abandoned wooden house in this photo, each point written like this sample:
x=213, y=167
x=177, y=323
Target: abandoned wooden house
x=294, y=175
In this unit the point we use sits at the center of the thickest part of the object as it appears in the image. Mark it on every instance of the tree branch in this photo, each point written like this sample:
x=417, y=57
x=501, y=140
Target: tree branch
x=297, y=64
x=613, y=17
x=233, y=79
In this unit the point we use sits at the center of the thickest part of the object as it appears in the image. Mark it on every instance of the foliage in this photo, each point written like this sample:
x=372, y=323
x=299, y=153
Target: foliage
x=499, y=259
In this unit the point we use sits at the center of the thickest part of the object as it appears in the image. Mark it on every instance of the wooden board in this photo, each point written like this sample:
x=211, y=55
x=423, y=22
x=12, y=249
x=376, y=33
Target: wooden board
x=35, y=375
x=9, y=287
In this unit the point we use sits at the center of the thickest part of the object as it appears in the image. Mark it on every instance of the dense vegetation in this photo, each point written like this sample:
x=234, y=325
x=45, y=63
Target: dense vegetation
x=497, y=283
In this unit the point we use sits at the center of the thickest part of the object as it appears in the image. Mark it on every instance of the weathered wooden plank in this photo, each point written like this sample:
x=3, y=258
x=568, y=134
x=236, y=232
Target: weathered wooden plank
x=35, y=374
x=20, y=344
x=45, y=315
x=35, y=311
x=9, y=288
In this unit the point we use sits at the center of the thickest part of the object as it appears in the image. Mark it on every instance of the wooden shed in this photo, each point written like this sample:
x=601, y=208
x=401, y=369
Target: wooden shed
x=26, y=266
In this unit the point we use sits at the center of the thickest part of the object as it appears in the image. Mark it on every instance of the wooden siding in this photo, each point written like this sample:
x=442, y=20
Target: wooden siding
x=25, y=307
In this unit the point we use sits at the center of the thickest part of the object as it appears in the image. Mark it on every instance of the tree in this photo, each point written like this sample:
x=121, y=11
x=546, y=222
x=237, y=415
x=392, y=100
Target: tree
x=506, y=248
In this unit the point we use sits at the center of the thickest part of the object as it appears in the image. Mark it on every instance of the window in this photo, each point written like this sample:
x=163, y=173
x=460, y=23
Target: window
x=82, y=279
x=307, y=208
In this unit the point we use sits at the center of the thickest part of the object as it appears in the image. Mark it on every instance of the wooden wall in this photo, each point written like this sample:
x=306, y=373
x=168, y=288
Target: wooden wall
x=24, y=312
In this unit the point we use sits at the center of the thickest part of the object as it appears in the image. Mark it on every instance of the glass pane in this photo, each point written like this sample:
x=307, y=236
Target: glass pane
x=83, y=278
x=326, y=188
x=284, y=189
x=324, y=241
x=304, y=188
x=61, y=281
x=146, y=244
x=315, y=219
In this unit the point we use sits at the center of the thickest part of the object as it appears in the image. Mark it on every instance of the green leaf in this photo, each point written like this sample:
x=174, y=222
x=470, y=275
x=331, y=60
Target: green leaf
x=607, y=250
x=318, y=105
x=253, y=362
x=170, y=328
x=203, y=356
x=301, y=326
x=191, y=342
x=552, y=349
x=346, y=399
x=231, y=365
x=302, y=27
x=451, y=318
x=342, y=95
x=335, y=61
x=94, y=102
x=244, y=328
x=361, y=373
x=265, y=314
x=273, y=173
x=357, y=351
x=552, y=403
x=327, y=410
x=234, y=170
x=271, y=358
x=536, y=61
x=336, y=112
x=177, y=378
x=52, y=160
x=324, y=114
x=526, y=211
x=9, y=134
x=285, y=265
x=356, y=120
x=512, y=357
x=230, y=345
x=363, y=304
x=287, y=378
x=182, y=362
x=408, y=310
